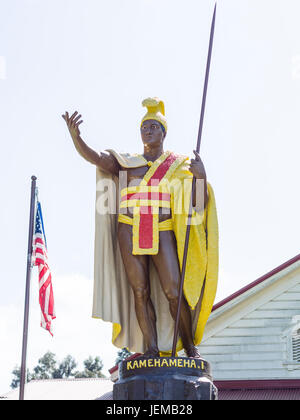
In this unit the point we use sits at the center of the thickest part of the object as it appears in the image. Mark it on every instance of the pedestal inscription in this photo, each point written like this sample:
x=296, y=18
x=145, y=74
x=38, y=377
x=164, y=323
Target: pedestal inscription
x=165, y=378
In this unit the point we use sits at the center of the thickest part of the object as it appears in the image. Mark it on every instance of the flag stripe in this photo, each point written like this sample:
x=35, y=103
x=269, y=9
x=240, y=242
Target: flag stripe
x=40, y=259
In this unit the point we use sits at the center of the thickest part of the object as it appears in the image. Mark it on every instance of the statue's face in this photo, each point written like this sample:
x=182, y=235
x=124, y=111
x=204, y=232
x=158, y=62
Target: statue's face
x=152, y=133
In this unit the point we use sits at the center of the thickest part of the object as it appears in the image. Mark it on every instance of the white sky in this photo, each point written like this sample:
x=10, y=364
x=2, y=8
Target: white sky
x=102, y=58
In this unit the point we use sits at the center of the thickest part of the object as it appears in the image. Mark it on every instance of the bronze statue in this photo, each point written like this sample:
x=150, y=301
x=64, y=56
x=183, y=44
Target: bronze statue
x=165, y=254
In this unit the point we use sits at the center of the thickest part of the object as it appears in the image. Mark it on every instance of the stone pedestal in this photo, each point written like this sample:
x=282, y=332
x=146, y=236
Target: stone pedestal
x=165, y=378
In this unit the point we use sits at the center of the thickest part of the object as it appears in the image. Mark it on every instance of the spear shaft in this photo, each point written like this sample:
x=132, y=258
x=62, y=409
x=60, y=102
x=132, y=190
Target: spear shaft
x=187, y=235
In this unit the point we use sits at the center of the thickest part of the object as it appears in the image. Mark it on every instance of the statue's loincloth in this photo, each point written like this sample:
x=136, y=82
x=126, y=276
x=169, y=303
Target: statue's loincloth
x=162, y=226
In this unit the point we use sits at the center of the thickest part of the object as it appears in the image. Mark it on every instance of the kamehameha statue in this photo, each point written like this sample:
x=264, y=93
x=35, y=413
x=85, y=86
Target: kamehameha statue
x=139, y=246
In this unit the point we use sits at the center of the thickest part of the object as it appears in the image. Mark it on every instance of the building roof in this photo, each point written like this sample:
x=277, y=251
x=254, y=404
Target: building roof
x=259, y=390
x=64, y=389
x=249, y=334
x=131, y=357
x=257, y=282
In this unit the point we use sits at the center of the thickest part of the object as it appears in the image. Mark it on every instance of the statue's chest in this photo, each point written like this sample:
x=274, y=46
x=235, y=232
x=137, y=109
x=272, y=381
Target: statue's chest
x=136, y=173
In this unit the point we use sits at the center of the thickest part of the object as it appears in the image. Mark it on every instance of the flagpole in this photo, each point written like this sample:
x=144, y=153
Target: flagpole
x=27, y=290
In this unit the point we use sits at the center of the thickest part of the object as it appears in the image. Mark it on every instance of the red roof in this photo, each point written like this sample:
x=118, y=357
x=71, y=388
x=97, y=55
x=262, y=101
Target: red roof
x=259, y=390
x=131, y=357
x=256, y=282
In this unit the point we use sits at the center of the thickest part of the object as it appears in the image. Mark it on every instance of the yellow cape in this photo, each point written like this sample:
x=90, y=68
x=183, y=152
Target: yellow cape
x=113, y=298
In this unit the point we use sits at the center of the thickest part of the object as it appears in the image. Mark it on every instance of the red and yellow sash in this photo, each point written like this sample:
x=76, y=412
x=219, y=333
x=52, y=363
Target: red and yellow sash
x=146, y=199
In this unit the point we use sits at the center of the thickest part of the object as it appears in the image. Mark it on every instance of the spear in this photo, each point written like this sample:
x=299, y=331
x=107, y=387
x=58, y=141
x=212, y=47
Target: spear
x=187, y=236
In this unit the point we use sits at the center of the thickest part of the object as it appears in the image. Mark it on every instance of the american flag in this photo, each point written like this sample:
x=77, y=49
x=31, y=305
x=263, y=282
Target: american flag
x=40, y=259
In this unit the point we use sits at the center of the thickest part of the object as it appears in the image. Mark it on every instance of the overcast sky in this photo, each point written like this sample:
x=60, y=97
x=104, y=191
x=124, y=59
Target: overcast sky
x=103, y=58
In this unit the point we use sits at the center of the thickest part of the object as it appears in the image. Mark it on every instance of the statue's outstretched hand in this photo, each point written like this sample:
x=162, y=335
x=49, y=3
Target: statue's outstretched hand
x=73, y=122
x=106, y=163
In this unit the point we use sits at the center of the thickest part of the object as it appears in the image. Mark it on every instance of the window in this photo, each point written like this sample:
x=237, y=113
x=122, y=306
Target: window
x=296, y=346
x=291, y=337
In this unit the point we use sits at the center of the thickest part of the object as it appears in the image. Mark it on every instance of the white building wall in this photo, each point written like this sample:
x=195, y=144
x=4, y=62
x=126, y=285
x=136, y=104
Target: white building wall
x=256, y=346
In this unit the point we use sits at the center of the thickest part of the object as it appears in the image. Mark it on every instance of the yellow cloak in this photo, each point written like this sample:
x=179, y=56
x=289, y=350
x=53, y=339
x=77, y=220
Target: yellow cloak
x=113, y=298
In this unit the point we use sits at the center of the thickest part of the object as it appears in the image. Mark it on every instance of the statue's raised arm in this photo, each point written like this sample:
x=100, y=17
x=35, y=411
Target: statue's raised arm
x=105, y=162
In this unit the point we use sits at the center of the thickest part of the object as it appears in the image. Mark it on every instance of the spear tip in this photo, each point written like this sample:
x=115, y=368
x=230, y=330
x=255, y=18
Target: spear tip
x=215, y=10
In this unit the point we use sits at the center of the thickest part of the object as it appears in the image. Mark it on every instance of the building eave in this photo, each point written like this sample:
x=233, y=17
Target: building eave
x=256, y=285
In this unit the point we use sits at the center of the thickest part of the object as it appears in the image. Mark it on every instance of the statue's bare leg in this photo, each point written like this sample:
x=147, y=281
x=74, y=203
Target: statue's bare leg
x=167, y=265
x=137, y=270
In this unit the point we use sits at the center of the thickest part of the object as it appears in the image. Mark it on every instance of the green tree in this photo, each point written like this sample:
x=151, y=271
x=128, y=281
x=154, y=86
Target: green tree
x=92, y=368
x=46, y=367
x=122, y=355
x=65, y=369
x=17, y=377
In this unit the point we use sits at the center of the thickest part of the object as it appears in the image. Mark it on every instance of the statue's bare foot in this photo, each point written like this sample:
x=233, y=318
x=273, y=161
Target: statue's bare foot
x=192, y=351
x=151, y=353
